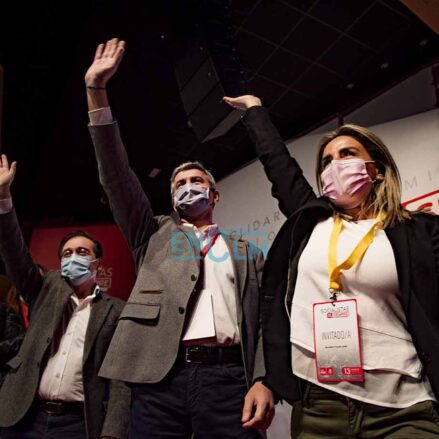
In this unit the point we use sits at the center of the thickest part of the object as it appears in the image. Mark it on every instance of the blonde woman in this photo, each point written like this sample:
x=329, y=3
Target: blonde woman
x=350, y=290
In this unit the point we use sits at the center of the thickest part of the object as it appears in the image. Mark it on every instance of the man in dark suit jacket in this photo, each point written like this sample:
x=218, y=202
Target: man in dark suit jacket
x=188, y=339
x=52, y=387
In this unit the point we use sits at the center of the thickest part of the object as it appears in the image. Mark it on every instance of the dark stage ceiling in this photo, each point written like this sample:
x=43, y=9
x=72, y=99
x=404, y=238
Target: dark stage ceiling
x=309, y=60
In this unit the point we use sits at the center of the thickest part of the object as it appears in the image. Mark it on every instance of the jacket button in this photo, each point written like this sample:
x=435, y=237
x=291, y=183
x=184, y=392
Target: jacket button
x=38, y=365
x=181, y=310
x=49, y=339
x=193, y=277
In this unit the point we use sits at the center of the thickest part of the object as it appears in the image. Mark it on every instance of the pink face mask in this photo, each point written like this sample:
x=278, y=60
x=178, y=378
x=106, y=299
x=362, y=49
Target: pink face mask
x=346, y=182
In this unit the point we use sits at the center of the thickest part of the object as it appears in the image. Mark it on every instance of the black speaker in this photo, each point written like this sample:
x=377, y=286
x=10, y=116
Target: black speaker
x=206, y=70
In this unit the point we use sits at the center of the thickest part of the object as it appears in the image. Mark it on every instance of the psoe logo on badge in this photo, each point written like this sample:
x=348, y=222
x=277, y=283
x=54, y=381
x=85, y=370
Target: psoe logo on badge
x=428, y=202
x=327, y=371
x=338, y=314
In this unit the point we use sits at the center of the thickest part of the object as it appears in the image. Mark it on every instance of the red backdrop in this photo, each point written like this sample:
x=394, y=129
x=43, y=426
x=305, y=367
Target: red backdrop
x=117, y=277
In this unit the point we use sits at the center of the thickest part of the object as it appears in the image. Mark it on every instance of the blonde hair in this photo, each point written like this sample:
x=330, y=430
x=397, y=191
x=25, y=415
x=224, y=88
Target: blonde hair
x=385, y=196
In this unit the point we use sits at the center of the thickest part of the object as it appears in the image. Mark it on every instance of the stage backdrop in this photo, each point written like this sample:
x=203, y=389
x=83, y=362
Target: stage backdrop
x=247, y=208
x=117, y=277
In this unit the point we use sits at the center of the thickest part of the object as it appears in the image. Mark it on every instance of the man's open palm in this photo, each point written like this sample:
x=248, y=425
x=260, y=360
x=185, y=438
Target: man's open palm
x=105, y=63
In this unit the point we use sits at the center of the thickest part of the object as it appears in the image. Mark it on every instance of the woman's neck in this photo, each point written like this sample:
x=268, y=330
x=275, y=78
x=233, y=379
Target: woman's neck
x=357, y=213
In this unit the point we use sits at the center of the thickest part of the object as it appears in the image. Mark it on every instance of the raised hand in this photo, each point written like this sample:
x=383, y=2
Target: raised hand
x=7, y=174
x=242, y=103
x=105, y=63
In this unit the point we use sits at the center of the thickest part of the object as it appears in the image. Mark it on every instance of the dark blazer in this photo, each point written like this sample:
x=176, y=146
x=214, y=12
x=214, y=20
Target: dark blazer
x=11, y=336
x=415, y=245
x=168, y=266
x=106, y=404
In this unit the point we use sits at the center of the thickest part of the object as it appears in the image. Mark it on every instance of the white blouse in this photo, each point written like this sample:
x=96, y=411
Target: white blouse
x=390, y=362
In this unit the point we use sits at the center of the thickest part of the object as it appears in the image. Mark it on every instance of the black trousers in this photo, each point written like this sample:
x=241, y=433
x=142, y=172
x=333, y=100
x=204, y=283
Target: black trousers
x=199, y=399
x=37, y=424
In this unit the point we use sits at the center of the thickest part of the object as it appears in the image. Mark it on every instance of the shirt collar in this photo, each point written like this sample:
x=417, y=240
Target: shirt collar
x=90, y=298
x=209, y=231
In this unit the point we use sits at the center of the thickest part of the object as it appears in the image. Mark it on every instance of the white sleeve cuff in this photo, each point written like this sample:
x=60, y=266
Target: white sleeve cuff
x=5, y=205
x=101, y=116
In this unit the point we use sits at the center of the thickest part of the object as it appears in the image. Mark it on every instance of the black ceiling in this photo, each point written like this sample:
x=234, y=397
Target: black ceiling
x=307, y=59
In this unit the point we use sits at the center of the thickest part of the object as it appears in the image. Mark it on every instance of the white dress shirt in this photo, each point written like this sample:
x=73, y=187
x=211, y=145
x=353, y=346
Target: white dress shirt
x=392, y=369
x=218, y=284
x=62, y=377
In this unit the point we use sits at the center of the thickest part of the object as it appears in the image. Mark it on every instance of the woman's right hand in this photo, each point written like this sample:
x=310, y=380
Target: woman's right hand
x=242, y=103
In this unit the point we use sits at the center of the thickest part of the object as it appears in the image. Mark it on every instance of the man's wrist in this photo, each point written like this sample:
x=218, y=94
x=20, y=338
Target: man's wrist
x=5, y=205
x=94, y=83
x=5, y=193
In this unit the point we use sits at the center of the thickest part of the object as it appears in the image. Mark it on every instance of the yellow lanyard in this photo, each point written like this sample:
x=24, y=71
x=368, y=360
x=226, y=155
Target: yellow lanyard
x=356, y=255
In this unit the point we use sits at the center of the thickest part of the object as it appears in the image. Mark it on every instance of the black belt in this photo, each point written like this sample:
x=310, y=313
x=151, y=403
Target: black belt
x=212, y=354
x=55, y=407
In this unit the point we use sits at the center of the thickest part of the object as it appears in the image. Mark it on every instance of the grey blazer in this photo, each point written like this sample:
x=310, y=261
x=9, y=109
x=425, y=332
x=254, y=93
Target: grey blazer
x=146, y=342
x=106, y=404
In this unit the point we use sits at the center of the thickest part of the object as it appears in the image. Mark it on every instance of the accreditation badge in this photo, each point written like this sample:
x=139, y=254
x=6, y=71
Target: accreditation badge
x=337, y=341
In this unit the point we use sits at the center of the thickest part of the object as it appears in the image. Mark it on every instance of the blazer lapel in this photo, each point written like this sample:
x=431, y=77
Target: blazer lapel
x=193, y=250
x=99, y=310
x=62, y=299
x=399, y=241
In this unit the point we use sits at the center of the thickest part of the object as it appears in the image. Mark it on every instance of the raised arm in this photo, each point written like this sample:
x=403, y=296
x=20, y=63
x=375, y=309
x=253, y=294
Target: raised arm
x=130, y=206
x=20, y=267
x=289, y=186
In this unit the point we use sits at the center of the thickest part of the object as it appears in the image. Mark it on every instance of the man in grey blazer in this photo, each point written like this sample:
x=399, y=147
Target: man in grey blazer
x=189, y=339
x=52, y=388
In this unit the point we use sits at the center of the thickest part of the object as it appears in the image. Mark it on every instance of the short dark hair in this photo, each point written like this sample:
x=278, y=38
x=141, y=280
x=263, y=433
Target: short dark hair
x=99, y=251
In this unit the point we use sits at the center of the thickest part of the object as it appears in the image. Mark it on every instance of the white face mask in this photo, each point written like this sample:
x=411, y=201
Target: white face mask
x=346, y=182
x=192, y=200
x=76, y=269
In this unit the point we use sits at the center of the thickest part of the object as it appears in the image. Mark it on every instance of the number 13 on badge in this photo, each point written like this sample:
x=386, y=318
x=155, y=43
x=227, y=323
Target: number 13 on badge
x=337, y=341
